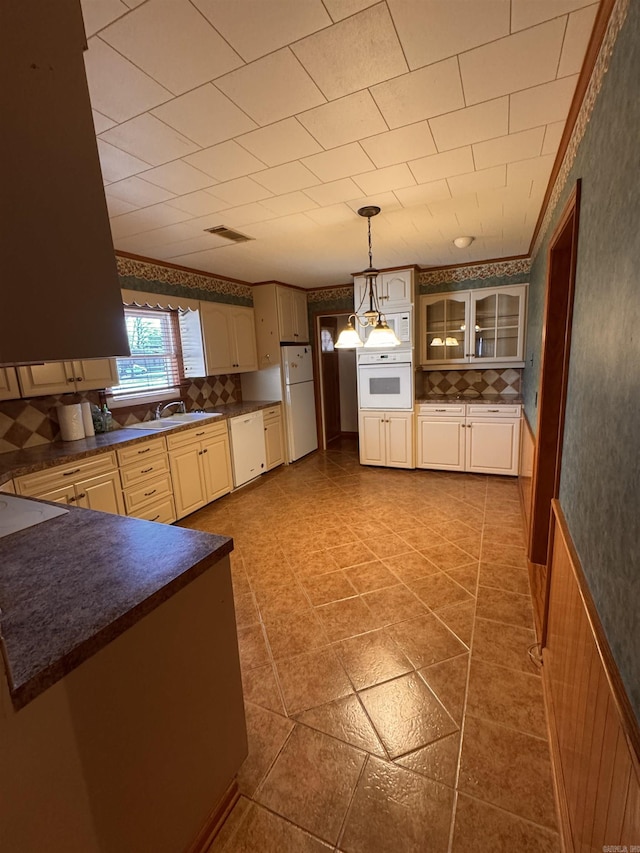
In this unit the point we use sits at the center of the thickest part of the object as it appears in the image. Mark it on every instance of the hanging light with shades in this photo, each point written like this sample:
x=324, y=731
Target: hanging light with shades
x=380, y=335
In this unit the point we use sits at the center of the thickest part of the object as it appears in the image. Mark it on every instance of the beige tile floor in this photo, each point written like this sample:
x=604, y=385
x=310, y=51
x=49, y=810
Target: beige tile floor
x=384, y=619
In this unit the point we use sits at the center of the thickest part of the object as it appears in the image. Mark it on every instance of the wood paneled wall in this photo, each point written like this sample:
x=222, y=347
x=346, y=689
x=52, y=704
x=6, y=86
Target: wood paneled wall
x=594, y=733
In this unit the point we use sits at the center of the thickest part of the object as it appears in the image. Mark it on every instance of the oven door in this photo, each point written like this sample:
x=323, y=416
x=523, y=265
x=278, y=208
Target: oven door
x=387, y=386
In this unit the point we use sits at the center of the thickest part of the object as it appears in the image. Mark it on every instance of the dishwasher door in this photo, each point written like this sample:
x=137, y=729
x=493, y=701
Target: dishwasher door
x=247, y=447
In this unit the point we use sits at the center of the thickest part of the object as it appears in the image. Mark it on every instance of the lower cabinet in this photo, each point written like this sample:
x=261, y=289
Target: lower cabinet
x=273, y=437
x=467, y=437
x=146, y=481
x=93, y=483
x=200, y=466
x=386, y=438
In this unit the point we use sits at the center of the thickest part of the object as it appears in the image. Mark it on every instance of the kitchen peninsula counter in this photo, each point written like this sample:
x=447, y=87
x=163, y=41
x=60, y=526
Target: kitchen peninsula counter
x=482, y=399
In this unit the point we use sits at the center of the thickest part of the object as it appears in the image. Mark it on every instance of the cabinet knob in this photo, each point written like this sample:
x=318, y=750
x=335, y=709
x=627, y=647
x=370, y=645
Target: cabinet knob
x=78, y=378
x=72, y=499
x=70, y=379
x=82, y=495
x=205, y=450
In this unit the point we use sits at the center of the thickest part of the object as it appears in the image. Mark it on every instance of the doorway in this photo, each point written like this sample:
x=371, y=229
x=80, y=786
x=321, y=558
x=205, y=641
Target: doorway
x=552, y=394
x=337, y=381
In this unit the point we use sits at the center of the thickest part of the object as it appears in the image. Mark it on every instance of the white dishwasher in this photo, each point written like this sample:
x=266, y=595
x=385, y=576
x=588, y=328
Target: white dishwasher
x=247, y=447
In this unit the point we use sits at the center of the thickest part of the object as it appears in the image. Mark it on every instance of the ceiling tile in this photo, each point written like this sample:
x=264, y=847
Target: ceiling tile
x=542, y=104
x=116, y=207
x=225, y=161
x=286, y=178
x=179, y=177
x=431, y=30
x=205, y=115
x=383, y=180
x=272, y=88
x=385, y=201
x=508, y=149
x=283, y=205
x=473, y=124
x=255, y=29
x=117, y=164
x=484, y=179
x=339, y=162
x=456, y=162
x=535, y=169
x=200, y=243
x=98, y=13
x=145, y=220
x=513, y=63
x=150, y=139
x=155, y=36
x=339, y=9
x=139, y=192
x=241, y=191
x=423, y=193
x=398, y=146
x=455, y=206
x=576, y=39
x=552, y=137
x=117, y=88
x=528, y=13
x=421, y=94
x=246, y=214
x=353, y=54
x=334, y=192
x=334, y=214
x=198, y=203
x=100, y=122
x=280, y=142
x=344, y=120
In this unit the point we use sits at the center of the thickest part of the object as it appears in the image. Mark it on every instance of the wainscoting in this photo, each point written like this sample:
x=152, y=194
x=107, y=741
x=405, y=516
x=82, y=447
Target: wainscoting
x=595, y=737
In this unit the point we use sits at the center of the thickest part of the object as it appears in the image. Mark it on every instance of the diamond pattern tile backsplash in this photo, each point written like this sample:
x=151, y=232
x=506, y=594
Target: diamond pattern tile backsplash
x=28, y=422
x=507, y=380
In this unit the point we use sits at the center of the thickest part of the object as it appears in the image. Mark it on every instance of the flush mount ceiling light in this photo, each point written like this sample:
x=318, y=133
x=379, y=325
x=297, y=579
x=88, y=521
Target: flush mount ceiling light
x=463, y=242
x=380, y=335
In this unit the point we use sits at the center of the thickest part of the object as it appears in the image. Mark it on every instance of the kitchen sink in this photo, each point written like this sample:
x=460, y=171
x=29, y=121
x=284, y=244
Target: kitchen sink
x=174, y=421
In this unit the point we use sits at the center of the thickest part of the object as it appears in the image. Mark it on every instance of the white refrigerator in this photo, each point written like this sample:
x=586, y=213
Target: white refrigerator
x=299, y=400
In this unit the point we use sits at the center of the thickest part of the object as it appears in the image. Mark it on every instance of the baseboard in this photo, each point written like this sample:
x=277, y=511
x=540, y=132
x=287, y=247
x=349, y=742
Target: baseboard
x=215, y=820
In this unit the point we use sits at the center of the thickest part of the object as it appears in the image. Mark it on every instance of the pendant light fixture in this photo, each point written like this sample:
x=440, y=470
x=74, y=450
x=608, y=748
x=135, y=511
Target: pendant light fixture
x=379, y=335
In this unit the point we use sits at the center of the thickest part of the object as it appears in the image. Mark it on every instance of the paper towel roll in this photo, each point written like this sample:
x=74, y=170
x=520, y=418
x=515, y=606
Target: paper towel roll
x=70, y=420
x=87, y=419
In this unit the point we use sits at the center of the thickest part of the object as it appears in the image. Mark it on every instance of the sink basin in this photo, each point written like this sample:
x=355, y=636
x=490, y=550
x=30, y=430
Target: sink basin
x=174, y=421
x=165, y=423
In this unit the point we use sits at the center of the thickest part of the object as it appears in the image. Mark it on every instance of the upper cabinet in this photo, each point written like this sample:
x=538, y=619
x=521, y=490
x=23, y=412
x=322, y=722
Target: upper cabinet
x=395, y=290
x=61, y=377
x=9, y=388
x=229, y=338
x=281, y=317
x=481, y=327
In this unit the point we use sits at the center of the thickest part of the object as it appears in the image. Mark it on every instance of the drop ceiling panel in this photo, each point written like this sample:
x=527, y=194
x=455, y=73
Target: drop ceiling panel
x=205, y=115
x=295, y=202
x=145, y=220
x=225, y=161
x=154, y=37
x=99, y=13
x=353, y=54
x=342, y=162
x=100, y=122
x=517, y=62
x=480, y=180
x=286, y=178
x=138, y=192
x=116, y=207
x=536, y=169
x=576, y=39
x=552, y=137
x=421, y=94
x=280, y=142
x=273, y=24
x=473, y=124
x=456, y=162
x=244, y=214
x=117, y=88
x=241, y=191
x=150, y=139
x=117, y=164
x=198, y=203
x=543, y=104
x=423, y=193
x=179, y=177
x=528, y=13
x=383, y=180
x=340, y=9
x=385, y=201
x=431, y=30
x=334, y=214
x=507, y=149
x=398, y=146
x=272, y=88
x=334, y=192
x=345, y=120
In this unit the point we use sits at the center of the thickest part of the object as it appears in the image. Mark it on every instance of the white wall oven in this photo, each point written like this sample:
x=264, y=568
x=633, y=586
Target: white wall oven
x=385, y=380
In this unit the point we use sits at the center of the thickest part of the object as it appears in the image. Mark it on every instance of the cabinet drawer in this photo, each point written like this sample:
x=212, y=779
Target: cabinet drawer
x=272, y=414
x=146, y=469
x=199, y=433
x=129, y=455
x=497, y=411
x=139, y=496
x=444, y=409
x=43, y=481
x=163, y=511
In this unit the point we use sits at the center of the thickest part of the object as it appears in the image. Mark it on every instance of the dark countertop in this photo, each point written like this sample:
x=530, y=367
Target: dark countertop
x=72, y=584
x=483, y=399
x=30, y=459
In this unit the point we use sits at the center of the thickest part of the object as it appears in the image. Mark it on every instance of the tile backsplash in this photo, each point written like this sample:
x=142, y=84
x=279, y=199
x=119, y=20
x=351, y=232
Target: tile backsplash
x=33, y=421
x=506, y=380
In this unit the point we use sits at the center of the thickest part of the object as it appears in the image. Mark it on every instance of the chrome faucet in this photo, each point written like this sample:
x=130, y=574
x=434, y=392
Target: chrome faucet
x=160, y=408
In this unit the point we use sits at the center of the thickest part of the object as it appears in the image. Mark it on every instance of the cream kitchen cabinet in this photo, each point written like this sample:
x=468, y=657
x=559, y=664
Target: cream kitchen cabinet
x=9, y=388
x=292, y=315
x=60, y=377
x=229, y=338
x=484, y=327
x=386, y=438
x=281, y=317
x=273, y=437
x=146, y=481
x=395, y=290
x=92, y=483
x=200, y=464
x=8, y=488
x=469, y=437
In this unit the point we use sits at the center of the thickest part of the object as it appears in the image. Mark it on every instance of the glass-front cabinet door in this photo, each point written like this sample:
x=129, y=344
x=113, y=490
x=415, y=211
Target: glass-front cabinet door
x=497, y=324
x=444, y=320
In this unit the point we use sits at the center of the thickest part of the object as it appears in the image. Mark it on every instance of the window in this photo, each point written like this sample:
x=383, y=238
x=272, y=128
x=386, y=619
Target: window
x=154, y=365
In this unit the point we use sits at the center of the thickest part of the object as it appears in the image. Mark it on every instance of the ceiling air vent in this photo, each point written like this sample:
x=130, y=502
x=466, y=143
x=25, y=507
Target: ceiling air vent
x=228, y=234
